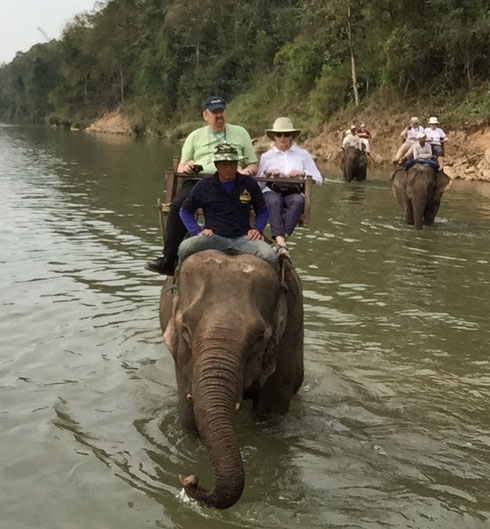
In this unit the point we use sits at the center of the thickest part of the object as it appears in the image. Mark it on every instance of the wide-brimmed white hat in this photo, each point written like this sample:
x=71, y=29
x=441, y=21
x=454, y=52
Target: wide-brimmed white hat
x=421, y=135
x=414, y=119
x=282, y=125
x=433, y=121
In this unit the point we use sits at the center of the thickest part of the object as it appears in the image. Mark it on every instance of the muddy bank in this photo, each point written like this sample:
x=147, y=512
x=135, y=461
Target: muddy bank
x=112, y=123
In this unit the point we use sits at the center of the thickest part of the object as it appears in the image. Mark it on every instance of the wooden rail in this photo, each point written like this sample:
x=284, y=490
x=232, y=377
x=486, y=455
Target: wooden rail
x=172, y=179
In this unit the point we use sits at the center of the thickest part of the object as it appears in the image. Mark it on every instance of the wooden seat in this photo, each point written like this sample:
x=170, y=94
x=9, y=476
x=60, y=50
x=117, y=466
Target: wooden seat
x=172, y=179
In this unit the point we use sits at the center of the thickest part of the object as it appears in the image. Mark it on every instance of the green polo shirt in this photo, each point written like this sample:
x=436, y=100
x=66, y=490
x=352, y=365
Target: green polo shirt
x=200, y=146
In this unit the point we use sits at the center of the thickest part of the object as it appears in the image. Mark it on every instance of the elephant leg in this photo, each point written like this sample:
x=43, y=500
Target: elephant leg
x=431, y=211
x=409, y=212
x=274, y=396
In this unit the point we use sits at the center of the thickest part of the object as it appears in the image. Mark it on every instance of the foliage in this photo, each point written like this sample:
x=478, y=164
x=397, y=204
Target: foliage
x=157, y=59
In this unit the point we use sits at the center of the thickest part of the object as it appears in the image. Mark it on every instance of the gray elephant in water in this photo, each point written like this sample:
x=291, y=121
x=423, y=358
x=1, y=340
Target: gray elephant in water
x=235, y=332
x=354, y=164
x=419, y=191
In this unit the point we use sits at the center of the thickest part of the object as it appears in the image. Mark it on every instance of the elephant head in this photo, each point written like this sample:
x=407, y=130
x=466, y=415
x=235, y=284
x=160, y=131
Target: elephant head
x=354, y=164
x=229, y=318
x=419, y=191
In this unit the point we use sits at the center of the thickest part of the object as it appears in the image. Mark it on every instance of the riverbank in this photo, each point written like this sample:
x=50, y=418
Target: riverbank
x=467, y=152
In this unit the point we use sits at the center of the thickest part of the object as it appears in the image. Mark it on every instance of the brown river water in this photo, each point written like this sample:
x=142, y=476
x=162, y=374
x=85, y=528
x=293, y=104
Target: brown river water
x=391, y=428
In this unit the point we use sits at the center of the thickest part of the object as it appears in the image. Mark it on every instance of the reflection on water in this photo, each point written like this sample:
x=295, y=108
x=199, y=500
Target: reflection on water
x=390, y=429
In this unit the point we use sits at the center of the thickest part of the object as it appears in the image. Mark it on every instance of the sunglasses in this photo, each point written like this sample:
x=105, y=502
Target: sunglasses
x=287, y=134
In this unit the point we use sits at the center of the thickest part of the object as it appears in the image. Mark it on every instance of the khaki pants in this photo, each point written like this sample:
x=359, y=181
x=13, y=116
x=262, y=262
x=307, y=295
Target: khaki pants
x=403, y=149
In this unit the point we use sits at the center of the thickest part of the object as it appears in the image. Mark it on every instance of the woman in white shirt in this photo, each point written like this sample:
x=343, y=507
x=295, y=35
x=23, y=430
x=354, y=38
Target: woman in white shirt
x=285, y=201
x=436, y=138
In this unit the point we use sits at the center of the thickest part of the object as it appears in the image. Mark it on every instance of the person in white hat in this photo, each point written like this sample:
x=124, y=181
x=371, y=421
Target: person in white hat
x=351, y=139
x=409, y=137
x=420, y=150
x=436, y=138
x=285, y=201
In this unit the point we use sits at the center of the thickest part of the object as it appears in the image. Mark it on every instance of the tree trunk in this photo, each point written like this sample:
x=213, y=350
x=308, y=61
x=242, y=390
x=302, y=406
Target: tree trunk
x=352, y=59
x=121, y=76
x=215, y=395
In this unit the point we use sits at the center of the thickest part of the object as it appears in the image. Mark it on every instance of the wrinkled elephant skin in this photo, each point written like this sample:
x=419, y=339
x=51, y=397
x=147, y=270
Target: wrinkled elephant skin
x=354, y=164
x=235, y=333
x=419, y=191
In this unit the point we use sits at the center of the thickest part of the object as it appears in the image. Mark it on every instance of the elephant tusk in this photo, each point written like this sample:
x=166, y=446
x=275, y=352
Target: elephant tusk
x=237, y=406
x=189, y=396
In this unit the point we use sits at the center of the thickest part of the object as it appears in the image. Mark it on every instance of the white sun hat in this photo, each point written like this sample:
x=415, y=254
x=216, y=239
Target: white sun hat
x=414, y=119
x=433, y=121
x=421, y=135
x=282, y=125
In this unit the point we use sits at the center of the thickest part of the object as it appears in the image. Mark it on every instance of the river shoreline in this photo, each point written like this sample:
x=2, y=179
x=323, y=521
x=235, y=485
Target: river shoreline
x=467, y=153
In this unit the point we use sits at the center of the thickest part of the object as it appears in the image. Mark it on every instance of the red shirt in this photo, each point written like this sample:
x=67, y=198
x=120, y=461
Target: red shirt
x=363, y=133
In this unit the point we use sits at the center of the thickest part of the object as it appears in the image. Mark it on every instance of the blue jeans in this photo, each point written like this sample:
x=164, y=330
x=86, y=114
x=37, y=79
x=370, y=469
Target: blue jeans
x=432, y=163
x=243, y=244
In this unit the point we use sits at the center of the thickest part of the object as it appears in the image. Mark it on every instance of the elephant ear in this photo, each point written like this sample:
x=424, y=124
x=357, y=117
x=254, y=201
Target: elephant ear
x=442, y=182
x=279, y=324
x=171, y=334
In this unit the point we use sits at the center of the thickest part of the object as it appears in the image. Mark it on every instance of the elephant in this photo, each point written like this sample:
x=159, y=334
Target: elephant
x=235, y=332
x=354, y=164
x=419, y=191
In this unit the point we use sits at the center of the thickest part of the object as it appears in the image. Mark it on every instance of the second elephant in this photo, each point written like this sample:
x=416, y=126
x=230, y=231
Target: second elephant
x=354, y=164
x=419, y=191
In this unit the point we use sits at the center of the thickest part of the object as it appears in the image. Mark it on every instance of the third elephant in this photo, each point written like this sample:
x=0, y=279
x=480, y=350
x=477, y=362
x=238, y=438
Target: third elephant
x=354, y=164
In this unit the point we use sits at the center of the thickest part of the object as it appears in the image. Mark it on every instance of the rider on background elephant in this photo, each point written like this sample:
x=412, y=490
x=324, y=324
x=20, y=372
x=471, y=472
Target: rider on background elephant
x=420, y=152
x=354, y=157
x=236, y=332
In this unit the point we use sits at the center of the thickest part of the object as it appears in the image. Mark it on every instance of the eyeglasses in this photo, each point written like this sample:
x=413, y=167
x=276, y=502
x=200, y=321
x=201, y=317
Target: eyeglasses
x=287, y=134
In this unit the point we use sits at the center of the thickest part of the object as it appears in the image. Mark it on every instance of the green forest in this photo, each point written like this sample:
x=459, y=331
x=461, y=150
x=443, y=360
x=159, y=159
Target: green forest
x=157, y=60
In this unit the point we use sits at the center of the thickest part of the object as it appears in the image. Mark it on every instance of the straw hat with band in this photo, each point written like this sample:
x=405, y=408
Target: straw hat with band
x=433, y=121
x=282, y=125
x=421, y=135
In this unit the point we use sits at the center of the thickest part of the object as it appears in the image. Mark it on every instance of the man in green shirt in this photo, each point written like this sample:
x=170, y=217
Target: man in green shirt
x=199, y=149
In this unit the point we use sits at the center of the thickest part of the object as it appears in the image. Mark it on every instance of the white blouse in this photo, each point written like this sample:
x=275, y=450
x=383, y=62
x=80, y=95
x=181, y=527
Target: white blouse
x=294, y=159
x=436, y=136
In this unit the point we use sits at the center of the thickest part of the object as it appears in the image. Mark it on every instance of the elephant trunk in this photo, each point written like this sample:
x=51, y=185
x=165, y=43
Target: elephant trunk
x=215, y=394
x=418, y=212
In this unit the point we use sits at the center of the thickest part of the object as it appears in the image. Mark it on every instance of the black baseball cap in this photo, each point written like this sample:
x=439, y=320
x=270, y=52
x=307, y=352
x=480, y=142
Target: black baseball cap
x=214, y=103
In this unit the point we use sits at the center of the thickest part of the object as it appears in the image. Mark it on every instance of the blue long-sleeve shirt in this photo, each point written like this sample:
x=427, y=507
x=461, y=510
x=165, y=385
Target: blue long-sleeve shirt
x=226, y=206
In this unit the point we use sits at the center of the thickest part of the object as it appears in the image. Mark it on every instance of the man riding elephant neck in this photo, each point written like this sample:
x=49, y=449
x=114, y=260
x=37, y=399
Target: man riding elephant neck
x=226, y=199
x=421, y=152
x=199, y=149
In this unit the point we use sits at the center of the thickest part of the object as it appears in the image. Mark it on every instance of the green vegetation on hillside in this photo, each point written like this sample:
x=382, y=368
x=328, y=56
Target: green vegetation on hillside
x=157, y=59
